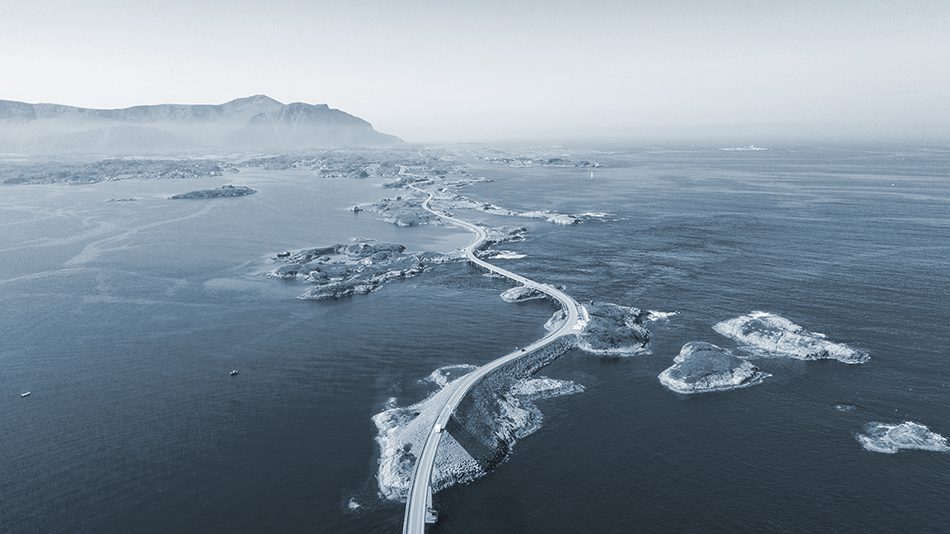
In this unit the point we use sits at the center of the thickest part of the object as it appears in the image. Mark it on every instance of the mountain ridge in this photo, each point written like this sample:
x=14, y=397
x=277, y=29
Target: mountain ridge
x=256, y=122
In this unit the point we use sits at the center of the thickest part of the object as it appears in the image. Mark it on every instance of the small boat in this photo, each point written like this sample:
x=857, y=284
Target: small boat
x=26, y=394
x=233, y=372
x=283, y=254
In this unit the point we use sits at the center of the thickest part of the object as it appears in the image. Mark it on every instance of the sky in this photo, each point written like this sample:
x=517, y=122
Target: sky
x=455, y=71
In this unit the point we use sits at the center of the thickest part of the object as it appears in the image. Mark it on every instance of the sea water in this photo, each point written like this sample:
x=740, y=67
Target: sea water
x=125, y=318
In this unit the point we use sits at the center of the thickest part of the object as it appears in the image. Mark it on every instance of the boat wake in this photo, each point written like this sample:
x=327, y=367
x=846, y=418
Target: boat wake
x=501, y=255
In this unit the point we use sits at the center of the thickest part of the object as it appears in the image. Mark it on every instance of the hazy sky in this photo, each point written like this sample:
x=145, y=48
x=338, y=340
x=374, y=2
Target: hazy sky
x=455, y=71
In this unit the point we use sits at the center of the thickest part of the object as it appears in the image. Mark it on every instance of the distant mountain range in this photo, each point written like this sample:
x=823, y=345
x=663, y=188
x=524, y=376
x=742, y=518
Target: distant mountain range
x=253, y=124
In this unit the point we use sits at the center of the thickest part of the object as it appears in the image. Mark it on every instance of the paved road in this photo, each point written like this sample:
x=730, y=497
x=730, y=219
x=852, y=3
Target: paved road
x=420, y=492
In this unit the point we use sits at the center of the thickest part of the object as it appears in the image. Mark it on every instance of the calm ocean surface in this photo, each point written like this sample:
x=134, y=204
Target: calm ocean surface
x=124, y=318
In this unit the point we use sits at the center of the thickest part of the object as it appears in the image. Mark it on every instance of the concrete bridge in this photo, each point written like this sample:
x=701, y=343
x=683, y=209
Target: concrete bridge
x=419, y=510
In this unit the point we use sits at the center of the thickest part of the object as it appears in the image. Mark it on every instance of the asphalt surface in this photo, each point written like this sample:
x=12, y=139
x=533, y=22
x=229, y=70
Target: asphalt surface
x=420, y=495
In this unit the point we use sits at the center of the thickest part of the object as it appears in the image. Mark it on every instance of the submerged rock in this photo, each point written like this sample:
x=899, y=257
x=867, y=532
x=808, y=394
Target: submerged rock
x=767, y=334
x=892, y=438
x=701, y=367
x=224, y=191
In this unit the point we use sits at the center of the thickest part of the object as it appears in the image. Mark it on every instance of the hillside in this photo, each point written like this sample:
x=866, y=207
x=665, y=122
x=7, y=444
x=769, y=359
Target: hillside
x=252, y=124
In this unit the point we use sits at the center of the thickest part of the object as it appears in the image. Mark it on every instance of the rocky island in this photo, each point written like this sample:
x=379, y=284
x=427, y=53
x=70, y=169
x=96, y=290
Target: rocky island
x=702, y=367
x=614, y=330
x=770, y=335
x=225, y=191
x=401, y=211
x=351, y=269
x=893, y=438
x=521, y=294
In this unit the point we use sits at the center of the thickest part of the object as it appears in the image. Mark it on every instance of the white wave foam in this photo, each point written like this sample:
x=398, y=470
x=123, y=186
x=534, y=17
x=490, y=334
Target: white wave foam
x=892, y=438
x=565, y=218
x=556, y=218
x=443, y=375
x=562, y=218
x=619, y=350
x=503, y=255
x=594, y=215
x=750, y=148
x=767, y=334
x=653, y=315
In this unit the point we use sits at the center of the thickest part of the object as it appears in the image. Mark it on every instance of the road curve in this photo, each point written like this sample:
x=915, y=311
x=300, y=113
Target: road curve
x=419, y=496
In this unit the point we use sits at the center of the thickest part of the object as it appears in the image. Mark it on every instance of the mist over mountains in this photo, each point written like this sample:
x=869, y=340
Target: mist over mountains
x=253, y=124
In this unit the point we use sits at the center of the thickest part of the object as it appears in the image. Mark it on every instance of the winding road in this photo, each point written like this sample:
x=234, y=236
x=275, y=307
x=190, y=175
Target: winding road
x=419, y=499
